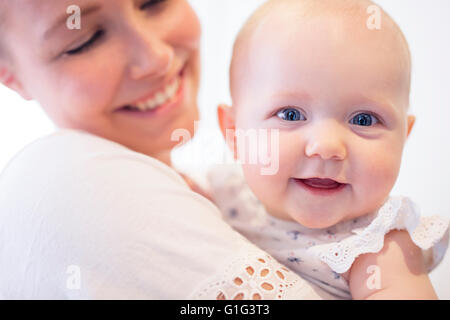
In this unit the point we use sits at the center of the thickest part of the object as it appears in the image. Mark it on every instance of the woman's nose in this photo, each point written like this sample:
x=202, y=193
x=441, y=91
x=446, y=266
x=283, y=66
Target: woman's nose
x=325, y=141
x=151, y=56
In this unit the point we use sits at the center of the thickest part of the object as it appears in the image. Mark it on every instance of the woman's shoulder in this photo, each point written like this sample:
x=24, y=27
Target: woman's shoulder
x=72, y=173
x=67, y=143
x=125, y=226
x=65, y=140
x=66, y=149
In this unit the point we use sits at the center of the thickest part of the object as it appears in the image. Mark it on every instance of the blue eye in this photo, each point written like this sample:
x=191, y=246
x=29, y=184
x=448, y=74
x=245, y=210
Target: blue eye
x=290, y=114
x=364, y=120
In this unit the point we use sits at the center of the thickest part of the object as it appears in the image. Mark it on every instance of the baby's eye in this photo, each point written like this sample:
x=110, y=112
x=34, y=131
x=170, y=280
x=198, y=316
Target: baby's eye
x=290, y=114
x=364, y=119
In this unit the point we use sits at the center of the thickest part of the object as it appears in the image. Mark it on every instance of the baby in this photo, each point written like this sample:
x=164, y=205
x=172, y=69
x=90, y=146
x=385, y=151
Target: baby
x=335, y=88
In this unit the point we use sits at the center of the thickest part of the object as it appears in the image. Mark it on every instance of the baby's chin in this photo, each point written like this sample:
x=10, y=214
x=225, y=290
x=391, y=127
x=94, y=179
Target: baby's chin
x=322, y=219
x=316, y=220
x=306, y=220
x=315, y=223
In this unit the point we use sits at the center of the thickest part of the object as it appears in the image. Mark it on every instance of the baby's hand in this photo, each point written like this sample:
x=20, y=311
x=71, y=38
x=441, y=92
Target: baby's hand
x=398, y=272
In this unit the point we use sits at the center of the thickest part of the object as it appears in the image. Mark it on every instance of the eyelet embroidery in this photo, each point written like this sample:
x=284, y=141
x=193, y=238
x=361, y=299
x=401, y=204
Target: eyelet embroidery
x=397, y=213
x=252, y=276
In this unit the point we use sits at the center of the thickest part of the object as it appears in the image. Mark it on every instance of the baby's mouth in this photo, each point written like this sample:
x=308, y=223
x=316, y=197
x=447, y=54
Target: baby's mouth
x=321, y=183
x=321, y=187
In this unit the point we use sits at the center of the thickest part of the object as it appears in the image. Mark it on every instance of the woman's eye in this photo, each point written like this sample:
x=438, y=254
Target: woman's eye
x=364, y=120
x=87, y=44
x=290, y=114
x=150, y=3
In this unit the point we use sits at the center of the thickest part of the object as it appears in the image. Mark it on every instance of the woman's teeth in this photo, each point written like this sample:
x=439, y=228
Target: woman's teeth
x=160, y=98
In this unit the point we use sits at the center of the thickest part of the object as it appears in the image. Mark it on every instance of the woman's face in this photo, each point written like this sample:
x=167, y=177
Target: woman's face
x=130, y=74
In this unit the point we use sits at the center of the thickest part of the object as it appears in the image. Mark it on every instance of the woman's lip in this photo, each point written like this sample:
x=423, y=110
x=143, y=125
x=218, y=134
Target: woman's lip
x=176, y=100
x=154, y=92
x=326, y=190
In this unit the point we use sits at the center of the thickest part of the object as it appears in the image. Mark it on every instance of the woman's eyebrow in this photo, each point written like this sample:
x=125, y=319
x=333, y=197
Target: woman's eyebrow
x=63, y=18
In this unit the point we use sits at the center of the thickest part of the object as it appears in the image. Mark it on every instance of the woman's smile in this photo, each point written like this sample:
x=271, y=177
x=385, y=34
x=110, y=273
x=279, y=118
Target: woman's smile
x=160, y=102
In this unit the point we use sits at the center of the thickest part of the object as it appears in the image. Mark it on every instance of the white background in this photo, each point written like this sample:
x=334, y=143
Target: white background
x=425, y=172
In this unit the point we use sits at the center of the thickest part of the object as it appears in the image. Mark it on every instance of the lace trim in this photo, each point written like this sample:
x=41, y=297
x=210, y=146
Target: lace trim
x=397, y=213
x=254, y=275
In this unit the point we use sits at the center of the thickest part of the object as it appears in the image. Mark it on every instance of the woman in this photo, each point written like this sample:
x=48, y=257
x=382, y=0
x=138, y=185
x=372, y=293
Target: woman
x=94, y=210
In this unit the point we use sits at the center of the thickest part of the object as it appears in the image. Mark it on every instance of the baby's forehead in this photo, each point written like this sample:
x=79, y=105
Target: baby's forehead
x=306, y=25
x=283, y=17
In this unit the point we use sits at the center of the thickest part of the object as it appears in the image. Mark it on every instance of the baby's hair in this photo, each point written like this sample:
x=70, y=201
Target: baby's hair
x=305, y=9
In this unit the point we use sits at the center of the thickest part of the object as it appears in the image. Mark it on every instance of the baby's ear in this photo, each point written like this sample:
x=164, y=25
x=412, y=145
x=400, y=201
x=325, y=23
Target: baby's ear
x=411, y=122
x=226, y=118
x=8, y=79
x=227, y=125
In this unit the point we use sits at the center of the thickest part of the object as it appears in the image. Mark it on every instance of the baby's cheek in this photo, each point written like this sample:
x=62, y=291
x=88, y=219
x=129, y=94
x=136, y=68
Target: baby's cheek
x=272, y=187
x=377, y=174
x=264, y=186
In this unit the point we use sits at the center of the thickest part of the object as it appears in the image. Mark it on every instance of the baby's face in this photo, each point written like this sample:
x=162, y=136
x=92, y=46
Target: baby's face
x=338, y=96
x=141, y=53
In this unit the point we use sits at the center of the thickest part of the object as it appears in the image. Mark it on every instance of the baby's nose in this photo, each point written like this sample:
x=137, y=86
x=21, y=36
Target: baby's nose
x=325, y=141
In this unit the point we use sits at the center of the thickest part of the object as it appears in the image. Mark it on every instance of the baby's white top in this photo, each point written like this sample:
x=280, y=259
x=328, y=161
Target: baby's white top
x=322, y=255
x=82, y=217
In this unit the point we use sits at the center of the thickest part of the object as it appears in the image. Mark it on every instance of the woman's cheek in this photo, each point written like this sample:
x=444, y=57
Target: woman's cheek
x=185, y=26
x=85, y=98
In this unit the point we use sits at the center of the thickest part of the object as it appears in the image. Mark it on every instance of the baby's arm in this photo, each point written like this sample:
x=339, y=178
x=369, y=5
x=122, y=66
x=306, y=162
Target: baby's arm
x=401, y=270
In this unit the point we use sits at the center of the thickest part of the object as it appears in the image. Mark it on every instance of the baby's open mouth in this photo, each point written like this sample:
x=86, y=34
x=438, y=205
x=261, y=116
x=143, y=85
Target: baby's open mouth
x=322, y=187
x=321, y=183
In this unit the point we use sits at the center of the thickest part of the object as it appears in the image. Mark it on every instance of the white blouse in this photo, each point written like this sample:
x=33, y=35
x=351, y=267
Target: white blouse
x=82, y=217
